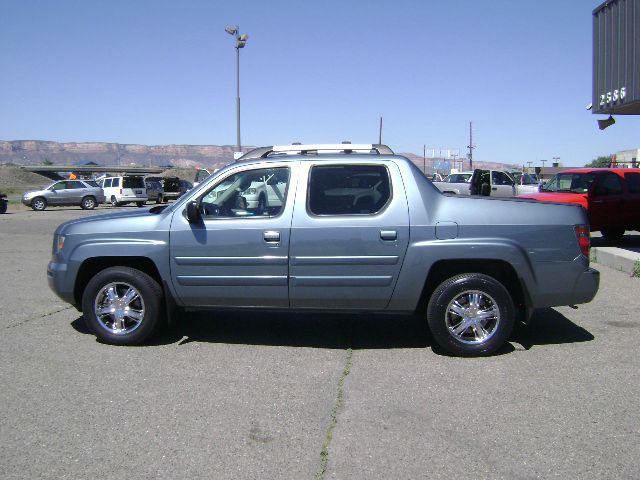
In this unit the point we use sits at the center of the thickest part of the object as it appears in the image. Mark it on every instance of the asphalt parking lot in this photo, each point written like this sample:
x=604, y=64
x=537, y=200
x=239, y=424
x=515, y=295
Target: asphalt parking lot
x=238, y=395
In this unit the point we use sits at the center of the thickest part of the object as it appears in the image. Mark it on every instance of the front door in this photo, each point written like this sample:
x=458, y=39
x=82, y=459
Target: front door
x=349, y=235
x=502, y=185
x=238, y=254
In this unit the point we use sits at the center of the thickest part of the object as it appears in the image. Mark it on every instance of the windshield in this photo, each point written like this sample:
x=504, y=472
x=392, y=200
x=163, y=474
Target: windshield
x=570, y=182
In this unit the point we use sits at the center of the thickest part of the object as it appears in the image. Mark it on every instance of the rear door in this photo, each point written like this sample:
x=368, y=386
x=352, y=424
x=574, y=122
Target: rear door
x=605, y=202
x=74, y=192
x=632, y=199
x=349, y=235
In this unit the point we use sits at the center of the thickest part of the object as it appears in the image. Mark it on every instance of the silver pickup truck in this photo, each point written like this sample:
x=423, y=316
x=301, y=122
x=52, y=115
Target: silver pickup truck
x=355, y=229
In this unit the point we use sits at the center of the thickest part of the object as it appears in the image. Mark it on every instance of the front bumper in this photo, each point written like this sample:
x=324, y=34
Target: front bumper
x=56, y=278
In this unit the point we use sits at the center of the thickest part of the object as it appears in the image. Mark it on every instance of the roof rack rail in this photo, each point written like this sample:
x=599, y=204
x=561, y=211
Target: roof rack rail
x=263, y=152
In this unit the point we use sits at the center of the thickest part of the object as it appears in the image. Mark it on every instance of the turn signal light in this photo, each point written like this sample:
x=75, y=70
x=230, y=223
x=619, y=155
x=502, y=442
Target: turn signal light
x=584, y=239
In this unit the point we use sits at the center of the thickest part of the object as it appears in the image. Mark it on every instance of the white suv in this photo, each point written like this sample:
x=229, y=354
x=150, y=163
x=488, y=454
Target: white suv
x=124, y=189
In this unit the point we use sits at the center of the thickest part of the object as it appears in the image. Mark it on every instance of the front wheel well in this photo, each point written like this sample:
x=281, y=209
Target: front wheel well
x=498, y=269
x=91, y=266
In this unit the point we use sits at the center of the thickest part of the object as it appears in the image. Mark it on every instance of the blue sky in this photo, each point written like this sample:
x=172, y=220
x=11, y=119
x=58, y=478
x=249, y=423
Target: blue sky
x=160, y=72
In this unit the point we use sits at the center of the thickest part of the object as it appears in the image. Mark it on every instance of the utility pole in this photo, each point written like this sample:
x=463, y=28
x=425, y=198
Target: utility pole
x=470, y=146
x=543, y=162
x=529, y=169
x=424, y=159
x=380, y=133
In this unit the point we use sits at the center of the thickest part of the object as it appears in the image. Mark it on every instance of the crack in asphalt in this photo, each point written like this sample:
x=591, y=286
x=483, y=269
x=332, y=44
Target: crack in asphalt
x=38, y=317
x=333, y=416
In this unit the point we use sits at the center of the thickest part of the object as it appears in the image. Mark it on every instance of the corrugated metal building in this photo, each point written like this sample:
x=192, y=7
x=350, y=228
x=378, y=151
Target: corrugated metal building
x=616, y=58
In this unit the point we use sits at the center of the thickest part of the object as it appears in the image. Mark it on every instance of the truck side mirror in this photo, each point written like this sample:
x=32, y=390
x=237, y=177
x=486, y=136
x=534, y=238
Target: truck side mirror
x=192, y=213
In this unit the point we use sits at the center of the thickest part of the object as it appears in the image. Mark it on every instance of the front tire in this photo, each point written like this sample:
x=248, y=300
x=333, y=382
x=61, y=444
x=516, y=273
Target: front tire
x=88, y=203
x=123, y=306
x=38, y=204
x=471, y=314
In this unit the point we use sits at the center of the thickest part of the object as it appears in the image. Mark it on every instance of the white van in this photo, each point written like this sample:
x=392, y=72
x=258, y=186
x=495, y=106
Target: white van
x=125, y=189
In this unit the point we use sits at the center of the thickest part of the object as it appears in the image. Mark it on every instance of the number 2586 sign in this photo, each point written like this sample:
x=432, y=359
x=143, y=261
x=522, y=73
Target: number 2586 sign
x=614, y=96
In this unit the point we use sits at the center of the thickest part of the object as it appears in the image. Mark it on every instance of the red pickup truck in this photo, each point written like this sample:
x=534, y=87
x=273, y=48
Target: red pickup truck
x=611, y=197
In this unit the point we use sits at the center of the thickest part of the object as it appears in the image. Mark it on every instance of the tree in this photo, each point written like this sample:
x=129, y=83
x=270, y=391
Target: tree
x=600, y=162
x=46, y=161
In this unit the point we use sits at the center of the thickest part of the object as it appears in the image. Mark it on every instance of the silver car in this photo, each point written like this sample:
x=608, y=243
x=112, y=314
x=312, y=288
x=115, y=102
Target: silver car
x=84, y=193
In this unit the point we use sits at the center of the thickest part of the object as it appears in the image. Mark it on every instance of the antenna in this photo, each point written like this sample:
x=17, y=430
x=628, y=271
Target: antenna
x=380, y=133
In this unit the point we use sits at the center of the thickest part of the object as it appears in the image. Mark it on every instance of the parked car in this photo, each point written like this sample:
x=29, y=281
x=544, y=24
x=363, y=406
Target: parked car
x=611, y=197
x=457, y=183
x=3, y=203
x=201, y=175
x=352, y=232
x=84, y=193
x=184, y=186
x=125, y=189
x=170, y=186
x=155, y=192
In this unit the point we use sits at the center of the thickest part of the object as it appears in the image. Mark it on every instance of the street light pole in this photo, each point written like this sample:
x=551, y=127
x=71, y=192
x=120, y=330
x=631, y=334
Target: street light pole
x=241, y=41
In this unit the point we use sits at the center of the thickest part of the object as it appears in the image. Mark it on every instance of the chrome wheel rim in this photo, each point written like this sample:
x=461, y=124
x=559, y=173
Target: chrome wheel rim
x=88, y=203
x=38, y=204
x=119, y=308
x=472, y=317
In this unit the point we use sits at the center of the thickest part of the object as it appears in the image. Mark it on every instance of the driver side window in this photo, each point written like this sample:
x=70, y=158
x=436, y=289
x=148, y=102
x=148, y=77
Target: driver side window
x=248, y=194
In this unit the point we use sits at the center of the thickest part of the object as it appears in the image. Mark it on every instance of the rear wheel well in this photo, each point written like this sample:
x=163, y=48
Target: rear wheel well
x=91, y=266
x=498, y=269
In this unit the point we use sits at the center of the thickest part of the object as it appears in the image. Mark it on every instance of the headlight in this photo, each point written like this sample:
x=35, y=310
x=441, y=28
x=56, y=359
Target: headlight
x=58, y=243
x=252, y=191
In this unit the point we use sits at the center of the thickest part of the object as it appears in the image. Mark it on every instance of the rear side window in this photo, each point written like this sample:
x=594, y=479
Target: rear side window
x=115, y=182
x=91, y=183
x=348, y=189
x=133, y=182
x=107, y=183
x=633, y=182
x=73, y=185
x=609, y=184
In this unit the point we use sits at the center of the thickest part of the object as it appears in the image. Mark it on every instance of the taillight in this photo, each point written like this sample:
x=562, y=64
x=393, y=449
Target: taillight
x=584, y=239
x=120, y=191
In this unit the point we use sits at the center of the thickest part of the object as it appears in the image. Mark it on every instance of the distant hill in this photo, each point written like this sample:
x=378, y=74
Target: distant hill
x=39, y=152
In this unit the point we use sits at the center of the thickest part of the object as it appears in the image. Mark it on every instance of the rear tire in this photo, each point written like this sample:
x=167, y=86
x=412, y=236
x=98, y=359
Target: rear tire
x=613, y=234
x=39, y=204
x=88, y=203
x=471, y=314
x=123, y=306
x=140, y=204
x=114, y=201
x=159, y=199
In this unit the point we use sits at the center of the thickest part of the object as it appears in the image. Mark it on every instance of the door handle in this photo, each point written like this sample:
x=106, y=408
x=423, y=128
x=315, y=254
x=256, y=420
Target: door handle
x=271, y=236
x=388, y=235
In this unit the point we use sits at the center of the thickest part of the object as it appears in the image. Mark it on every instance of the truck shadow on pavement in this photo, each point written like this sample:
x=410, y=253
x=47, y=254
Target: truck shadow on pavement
x=630, y=242
x=341, y=331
